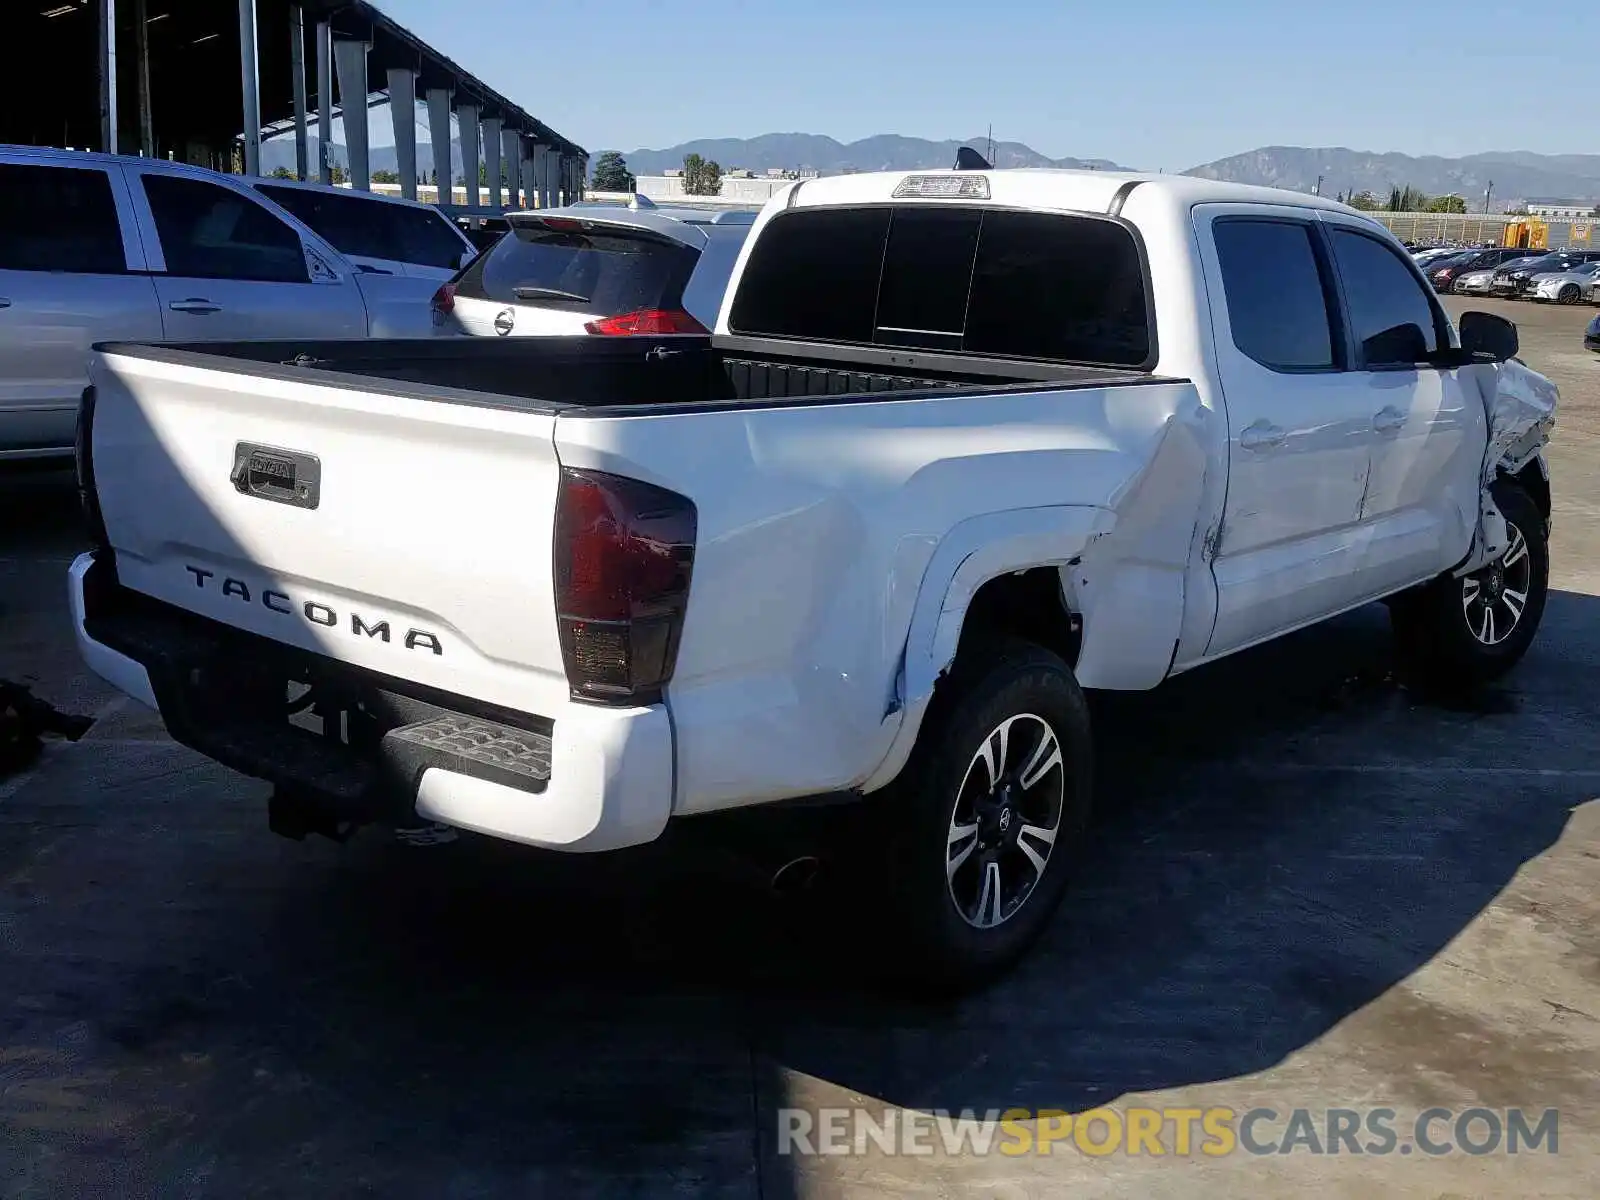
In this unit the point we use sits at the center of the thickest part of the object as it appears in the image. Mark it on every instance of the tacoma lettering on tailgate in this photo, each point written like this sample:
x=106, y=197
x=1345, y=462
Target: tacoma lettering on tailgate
x=313, y=611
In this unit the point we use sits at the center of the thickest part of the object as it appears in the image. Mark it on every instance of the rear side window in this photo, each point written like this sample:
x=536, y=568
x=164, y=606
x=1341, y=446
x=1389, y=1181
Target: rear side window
x=1278, y=302
x=1390, y=315
x=604, y=271
x=213, y=232
x=979, y=281
x=59, y=219
x=373, y=228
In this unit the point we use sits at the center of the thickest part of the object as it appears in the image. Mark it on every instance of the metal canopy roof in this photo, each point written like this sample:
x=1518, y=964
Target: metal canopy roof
x=395, y=46
x=196, y=97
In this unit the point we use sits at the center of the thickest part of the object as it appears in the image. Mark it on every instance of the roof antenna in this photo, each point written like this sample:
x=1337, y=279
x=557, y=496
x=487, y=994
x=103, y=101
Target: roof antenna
x=639, y=202
x=968, y=159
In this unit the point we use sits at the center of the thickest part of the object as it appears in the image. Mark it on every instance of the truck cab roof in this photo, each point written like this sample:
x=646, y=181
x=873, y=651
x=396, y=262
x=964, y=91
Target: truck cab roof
x=1086, y=191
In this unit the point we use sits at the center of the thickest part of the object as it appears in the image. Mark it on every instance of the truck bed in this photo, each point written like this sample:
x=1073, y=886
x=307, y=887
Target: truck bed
x=603, y=375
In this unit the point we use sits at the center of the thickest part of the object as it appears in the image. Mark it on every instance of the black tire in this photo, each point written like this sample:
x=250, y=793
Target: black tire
x=1009, y=683
x=1569, y=294
x=1440, y=629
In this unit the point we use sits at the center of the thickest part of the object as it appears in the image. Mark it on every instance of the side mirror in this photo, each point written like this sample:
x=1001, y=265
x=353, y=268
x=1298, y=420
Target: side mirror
x=1397, y=346
x=1488, y=337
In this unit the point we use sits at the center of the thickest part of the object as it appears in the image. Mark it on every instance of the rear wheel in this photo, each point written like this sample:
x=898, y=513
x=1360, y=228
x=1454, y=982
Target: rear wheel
x=987, y=816
x=1472, y=630
x=1569, y=294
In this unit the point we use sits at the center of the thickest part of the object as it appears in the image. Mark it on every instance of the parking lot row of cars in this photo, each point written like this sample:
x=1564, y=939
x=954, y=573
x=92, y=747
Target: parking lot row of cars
x=1567, y=276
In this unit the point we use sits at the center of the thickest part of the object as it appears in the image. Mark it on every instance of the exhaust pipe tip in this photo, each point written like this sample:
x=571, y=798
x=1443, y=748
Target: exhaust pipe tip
x=796, y=875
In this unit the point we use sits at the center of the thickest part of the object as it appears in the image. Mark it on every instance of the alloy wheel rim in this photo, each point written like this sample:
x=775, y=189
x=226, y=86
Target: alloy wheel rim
x=1494, y=599
x=1006, y=817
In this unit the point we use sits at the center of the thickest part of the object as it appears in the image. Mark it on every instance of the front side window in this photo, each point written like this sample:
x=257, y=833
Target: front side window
x=1277, y=298
x=1391, y=318
x=59, y=219
x=212, y=232
x=985, y=281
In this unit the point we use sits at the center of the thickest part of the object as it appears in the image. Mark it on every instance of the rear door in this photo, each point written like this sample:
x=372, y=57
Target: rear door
x=1427, y=429
x=226, y=266
x=1299, y=436
x=556, y=274
x=70, y=268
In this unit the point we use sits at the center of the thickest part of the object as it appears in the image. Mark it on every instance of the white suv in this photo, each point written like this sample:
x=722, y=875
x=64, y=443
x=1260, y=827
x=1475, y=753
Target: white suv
x=388, y=235
x=598, y=269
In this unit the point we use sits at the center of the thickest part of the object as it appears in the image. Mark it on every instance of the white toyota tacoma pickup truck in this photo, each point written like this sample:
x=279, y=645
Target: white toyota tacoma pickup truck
x=963, y=445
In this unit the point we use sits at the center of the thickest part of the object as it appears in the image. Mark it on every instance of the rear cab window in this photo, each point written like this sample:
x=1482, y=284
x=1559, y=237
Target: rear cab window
x=991, y=282
x=588, y=268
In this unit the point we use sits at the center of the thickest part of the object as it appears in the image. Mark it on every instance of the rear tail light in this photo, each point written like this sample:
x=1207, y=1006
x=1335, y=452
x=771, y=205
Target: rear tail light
x=444, y=300
x=647, y=321
x=624, y=554
x=83, y=460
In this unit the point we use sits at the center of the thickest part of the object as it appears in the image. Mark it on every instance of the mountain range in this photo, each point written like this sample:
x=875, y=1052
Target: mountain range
x=1514, y=174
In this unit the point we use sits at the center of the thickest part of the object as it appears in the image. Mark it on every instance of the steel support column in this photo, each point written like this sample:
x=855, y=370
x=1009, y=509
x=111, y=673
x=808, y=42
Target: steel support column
x=510, y=154
x=297, y=71
x=552, y=164
x=350, y=60
x=541, y=159
x=439, y=141
x=403, y=113
x=324, y=102
x=491, y=158
x=106, y=30
x=141, y=54
x=530, y=184
x=249, y=72
x=467, y=122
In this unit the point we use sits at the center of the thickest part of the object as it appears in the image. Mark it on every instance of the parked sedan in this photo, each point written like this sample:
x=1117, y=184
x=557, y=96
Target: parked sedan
x=1515, y=279
x=1474, y=283
x=1443, y=273
x=1591, y=336
x=1565, y=287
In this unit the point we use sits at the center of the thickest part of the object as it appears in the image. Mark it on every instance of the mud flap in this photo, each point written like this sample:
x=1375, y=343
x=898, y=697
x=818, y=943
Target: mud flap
x=1520, y=406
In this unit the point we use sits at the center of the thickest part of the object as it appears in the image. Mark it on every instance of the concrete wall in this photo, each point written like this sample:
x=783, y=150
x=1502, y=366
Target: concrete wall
x=744, y=191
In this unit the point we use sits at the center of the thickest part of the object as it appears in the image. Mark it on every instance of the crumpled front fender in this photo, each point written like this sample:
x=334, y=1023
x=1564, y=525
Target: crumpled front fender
x=1520, y=405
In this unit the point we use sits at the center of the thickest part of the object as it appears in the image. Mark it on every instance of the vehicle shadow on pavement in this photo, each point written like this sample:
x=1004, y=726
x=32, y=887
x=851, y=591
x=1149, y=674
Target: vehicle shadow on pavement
x=1277, y=853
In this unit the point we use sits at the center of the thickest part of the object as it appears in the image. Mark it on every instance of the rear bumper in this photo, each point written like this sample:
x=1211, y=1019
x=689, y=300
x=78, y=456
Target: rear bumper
x=585, y=778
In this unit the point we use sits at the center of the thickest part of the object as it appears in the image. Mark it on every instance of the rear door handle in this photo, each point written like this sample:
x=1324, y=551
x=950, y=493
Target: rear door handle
x=1388, y=420
x=194, y=304
x=1262, y=436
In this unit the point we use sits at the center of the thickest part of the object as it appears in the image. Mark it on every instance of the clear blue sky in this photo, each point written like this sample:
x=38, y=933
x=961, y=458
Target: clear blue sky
x=1157, y=84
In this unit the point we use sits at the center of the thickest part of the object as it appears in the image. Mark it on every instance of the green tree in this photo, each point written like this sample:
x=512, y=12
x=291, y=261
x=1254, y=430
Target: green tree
x=611, y=173
x=337, y=173
x=386, y=177
x=282, y=173
x=701, y=177
x=1446, y=204
x=1365, y=201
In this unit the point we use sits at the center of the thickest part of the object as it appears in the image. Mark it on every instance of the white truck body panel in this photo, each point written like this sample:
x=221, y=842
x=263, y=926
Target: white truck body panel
x=1214, y=506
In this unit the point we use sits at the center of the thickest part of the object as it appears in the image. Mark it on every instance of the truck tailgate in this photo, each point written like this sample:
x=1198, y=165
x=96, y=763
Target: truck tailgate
x=406, y=536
